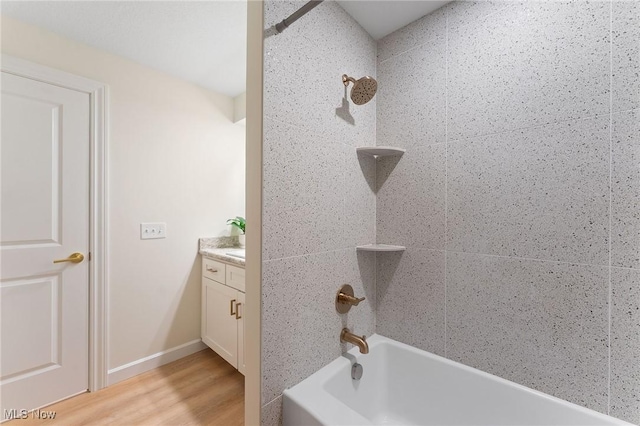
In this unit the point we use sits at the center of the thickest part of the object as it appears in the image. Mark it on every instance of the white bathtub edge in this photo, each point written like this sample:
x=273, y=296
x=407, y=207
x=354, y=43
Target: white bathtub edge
x=326, y=405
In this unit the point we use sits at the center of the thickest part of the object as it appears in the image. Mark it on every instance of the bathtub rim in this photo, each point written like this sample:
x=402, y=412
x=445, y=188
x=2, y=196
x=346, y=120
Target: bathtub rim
x=298, y=393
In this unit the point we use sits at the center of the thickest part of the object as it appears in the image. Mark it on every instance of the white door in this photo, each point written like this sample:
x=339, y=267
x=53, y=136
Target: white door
x=44, y=208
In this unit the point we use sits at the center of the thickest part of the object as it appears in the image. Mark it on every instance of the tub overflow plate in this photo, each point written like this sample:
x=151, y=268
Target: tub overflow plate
x=356, y=371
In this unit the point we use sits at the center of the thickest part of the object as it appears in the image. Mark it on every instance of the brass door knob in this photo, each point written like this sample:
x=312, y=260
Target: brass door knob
x=74, y=258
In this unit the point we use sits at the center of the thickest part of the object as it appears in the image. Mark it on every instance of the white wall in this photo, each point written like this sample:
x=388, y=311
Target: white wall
x=175, y=156
x=240, y=107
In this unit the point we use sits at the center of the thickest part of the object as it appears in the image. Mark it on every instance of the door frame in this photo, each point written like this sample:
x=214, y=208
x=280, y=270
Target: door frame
x=98, y=211
x=253, y=196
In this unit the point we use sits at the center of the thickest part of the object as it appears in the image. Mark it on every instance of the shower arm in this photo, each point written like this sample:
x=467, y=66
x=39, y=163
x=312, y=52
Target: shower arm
x=346, y=79
x=281, y=26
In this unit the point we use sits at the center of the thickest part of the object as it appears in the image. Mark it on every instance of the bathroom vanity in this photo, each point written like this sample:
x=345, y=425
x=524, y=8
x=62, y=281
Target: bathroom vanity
x=223, y=296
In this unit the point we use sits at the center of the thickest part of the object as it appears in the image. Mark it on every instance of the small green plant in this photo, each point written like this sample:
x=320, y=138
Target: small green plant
x=238, y=222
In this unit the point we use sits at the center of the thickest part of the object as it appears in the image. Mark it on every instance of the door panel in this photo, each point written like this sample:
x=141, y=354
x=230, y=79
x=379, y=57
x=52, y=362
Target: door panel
x=44, y=208
x=32, y=309
x=30, y=195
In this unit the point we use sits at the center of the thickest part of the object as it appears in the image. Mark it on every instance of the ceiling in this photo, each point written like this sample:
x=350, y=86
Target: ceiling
x=382, y=17
x=203, y=42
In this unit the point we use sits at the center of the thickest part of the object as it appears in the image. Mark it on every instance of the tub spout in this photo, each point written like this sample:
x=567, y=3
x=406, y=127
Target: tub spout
x=360, y=342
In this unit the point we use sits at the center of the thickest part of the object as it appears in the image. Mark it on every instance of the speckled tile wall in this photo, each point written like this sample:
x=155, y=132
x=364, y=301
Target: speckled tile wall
x=517, y=198
x=319, y=200
x=519, y=195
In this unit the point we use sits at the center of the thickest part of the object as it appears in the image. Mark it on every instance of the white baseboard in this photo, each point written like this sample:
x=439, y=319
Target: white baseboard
x=150, y=362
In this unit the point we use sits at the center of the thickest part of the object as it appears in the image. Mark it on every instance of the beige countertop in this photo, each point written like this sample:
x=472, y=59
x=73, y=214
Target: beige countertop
x=221, y=255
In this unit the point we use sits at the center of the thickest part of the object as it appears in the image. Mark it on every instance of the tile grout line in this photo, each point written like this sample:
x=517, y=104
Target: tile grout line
x=536, y=126
x=590, y=117
x=613, y=112
x=279, y=396
x=446, y=166
x=530, y=259
x=610, y=200
x=345, y=193
x=467, y=138
x=411, y=49
x=345, y=248
x=480, y=135
x=626, y=268
x=375, y=211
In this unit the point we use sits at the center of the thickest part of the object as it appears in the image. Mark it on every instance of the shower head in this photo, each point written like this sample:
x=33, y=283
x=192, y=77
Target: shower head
x=363, y=89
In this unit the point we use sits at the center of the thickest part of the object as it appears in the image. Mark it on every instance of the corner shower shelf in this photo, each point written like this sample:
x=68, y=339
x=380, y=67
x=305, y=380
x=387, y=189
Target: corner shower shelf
x=380, y=151
x=380, y=247
x=376, y=152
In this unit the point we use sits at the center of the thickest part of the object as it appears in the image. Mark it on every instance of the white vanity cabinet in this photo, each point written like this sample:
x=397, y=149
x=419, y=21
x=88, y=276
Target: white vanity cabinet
x=222, y=327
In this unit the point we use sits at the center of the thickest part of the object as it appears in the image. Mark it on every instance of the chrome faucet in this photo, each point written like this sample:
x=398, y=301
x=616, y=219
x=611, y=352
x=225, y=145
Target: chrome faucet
x=360, y=342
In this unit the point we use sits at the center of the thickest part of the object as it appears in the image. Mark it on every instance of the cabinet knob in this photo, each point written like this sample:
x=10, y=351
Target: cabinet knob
x=210, y=269
x=231, y=307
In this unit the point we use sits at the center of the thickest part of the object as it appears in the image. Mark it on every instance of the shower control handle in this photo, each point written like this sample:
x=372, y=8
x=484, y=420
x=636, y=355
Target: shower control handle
x=345, y=299
x=350, y=300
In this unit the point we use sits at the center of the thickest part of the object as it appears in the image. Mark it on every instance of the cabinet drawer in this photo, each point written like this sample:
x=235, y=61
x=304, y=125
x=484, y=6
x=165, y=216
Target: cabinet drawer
x=214, y=270
x=235, y=277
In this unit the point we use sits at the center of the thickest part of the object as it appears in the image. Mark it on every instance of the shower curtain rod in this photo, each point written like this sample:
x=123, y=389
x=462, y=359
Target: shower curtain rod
x=280, y=27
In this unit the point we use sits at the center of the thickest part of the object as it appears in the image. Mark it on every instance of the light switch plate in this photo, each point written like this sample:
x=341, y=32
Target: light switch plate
x=150, y=231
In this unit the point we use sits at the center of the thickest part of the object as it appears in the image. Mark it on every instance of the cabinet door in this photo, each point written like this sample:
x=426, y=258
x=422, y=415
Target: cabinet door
x=220, y=326
x=241, y=310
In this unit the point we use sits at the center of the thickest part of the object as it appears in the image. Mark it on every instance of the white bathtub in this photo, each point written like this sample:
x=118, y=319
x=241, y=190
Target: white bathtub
x=402, y=385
